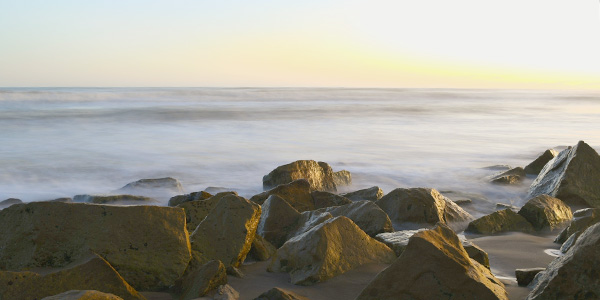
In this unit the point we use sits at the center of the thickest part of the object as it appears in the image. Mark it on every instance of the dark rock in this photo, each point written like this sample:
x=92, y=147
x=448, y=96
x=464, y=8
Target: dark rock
x=204, y=279
x=476, y=253
x=525, y=276
x=279, y=294
x=296, y=193
x=277, y=221
x=318, y=174
x=365, y=214
x=235, y=272
x=512, y=176
x=176, y=200
x=197, y=210
x=582, y=220
x=114, y=199
x=536, y=166
x=372, y=194
x=500, y=221
x=83, y=295
x=327, y=199
x=261, y=249
x=342, y=178
x=167, y=183
x=545, y=212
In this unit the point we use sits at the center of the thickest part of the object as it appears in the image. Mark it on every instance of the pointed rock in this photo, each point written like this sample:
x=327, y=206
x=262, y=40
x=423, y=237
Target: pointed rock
x=366, y=215
x=536, y=166
x=318, y=174
x=197, y=210
x=545, y=212
x=296, y=193
x=500, y=221
x=373, y=194
x=277, y=220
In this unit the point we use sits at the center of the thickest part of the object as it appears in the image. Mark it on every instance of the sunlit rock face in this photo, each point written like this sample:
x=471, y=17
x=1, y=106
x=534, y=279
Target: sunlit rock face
x=319, y=175
x=545, y=212
x=500, y=221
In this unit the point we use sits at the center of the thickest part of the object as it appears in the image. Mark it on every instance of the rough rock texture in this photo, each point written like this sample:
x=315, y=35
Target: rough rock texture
x=261, y=249
x=500, y=221
x=95, y=274
x=545, y=212
x=573, y=177
x=422, y=206
x=176, y=200
x=512, y=176
x=373, y=194
x=328, y=250
x=148, y=245
x=366, y=214
x=296, y=193
x=8, y=202
x=525, y=276
x=573, y=275
x=434, y=266
x=167, y=183
x=475, y=253
x=115, y=199
x=342, y=178
x=318, y=174
x=196, y=211
x=536, y=166
x=582, y=220
x=83, y=295
x=327, y=199
x=199, y=282
x=227, y=232
x=277, y=220
x=279, y=294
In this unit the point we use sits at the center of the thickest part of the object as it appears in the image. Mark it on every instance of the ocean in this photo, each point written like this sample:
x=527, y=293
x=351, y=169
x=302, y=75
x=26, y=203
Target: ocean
x=59, y=142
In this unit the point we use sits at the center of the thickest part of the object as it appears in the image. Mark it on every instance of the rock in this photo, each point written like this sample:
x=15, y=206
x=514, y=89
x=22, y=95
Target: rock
x=218, y=189
x=196, y=211
x=412, y=208
x=296, y=193
x=327, y=199
x=83, y=295
x=261, y=249
x=147, y=245
x=536, y=166
x=498, y=167
x=279, y=294
x=464, y=198
x=63, y=199
x=235, y=272
x=372, y=194
x=582, y=220
x=227, y=232
x=500, y=206
x=226, y=292
x=573, y=177
x=475, y=253
x=8, y=202
x=176, y=200
x=327, y=250
x=500, y=221
x=342, y=178
x=95, y=274
x=365, y=214
x=204, y=279
x=434, y=266
x=318, y=174
x=570, y=242
x=277, y=220
x=512, y=176
x=167, y=183
x=525, y=276
x=307, y=221
x=463, y=202
x=115, y=199
x=545, y=212
x=573, y=275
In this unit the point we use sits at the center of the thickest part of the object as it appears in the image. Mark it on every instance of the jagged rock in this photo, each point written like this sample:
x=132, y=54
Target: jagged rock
x=147, y=245
x=365, y=214
x=373, y=194
x=582, y=220
x=296, y=193
x=83, y=295
x=327, y=199
x=327, y=250
x=536, y=166
x=573, y=177
x=318, y=174
x=261, y=249
x=342, y=178
x=167, y=183
x=434, y=266
x=573, y=275
x=544, y=212
x=512, y=176
x=500, y=221
x=279, y=294
x=8, y=202
x=114, y=199
x=95, y=274
x=525, y=276
x=199, y=282
x=235, y=272
x=196, y=211
x=500, y=206
x=415, y=207
x=176, y=200
x=227, y=232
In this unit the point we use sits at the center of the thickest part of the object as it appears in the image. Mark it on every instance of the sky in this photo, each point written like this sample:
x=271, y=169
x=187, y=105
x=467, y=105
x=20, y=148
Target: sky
x=531, y=44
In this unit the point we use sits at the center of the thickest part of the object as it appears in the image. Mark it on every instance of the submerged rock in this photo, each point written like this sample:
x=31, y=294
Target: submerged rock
x=525, y=276
x=512, y=176
x=536, y=166
x=197, y=210
x=166, y=183
x=176, y=200
x=328, y=250
x=318, y=174
x=327, y=199
x=545, y=212
x=573, y=177
x=115, y=199
x=342, y=178
x=204, y=279
x=500, y=221
x=365, y=214
x=434, y=266
x=83, y=295
x=296, y=193
x=279, y=294
x=373, y=194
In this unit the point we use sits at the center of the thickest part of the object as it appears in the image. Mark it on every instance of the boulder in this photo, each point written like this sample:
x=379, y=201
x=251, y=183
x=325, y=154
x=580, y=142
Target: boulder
x=226, y=234
x=318, y=174
x=582, y=220
x=512, y=176
x=545, y=212
x=525, y=276
x=115, y=199
x=342, y=178
x=204, y=279
x=327, y=250
x=279, y=294
x=417, y=207
x=196, y=211
x=365, y=214
x=176, y=200
x=573, y=176
x=296, y=193
x=217, y=189
x=573, y=275
x=327, y=199
x=500, y=221
x=261, y=249
x=277, y=220
x=83, y=295
x=307, y=221
x=536, y=166
x=373, y=194
x=94, y=274
x=144, y=185
x=148, y=245
x=8, y=202
x=434, y=266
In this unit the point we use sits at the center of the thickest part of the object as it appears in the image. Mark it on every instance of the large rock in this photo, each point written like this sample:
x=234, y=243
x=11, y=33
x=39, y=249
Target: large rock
x=327, y=199
x=327, y=250
x=226, y=234
x=279, y=294
x=204, y=279
x=145, y=185
x=296, y=193
x=434, y=266
x=573, y=275
x=342, y=178
x=83, y=295
x=196, y=211
x=500, y=221
x=365, y=214
x=148, y=245
x=545, y=212
x=318, y=174
x=417, y=207
x=512, y=176
x=373, y=194
x=115, y=199
x=95, y=274
x=179, y=199
x=573, y=177
x=536, y=166
x=277, y=220
x=582, y=220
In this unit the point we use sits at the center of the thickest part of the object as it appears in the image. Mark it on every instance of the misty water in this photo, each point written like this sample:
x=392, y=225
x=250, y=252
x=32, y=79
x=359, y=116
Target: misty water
x=59, y=142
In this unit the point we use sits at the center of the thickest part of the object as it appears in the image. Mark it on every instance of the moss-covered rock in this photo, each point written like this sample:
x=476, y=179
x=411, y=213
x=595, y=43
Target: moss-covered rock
x=318, y=174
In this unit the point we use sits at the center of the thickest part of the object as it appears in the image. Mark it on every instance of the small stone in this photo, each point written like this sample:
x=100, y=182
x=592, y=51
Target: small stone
x=525, y=276
x=501, y=206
